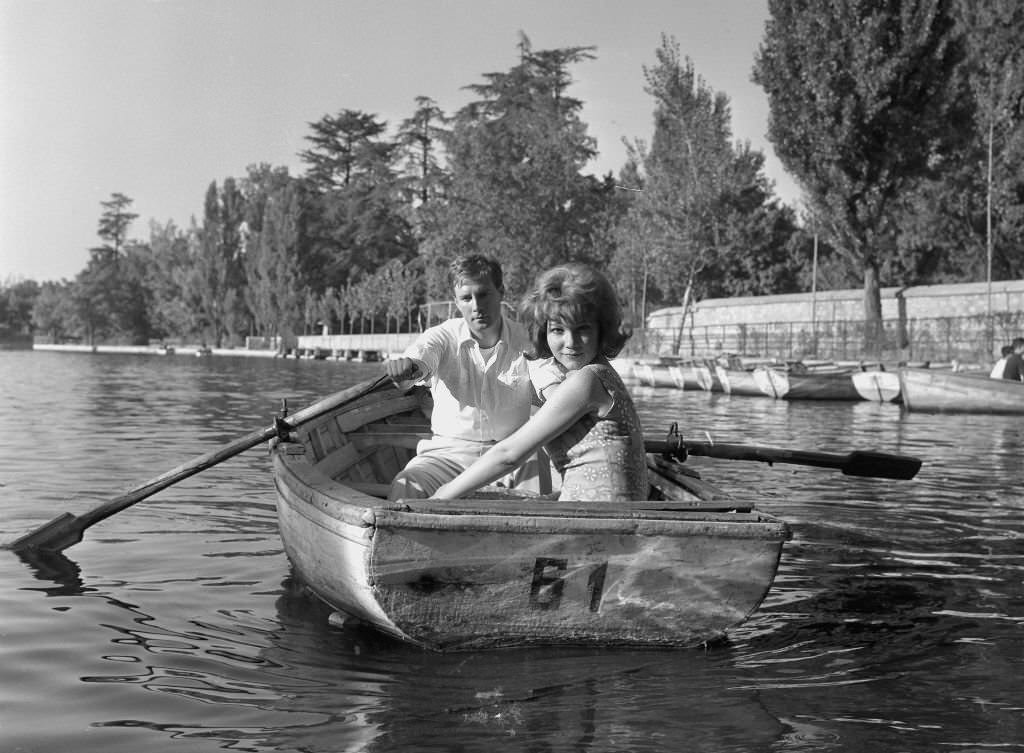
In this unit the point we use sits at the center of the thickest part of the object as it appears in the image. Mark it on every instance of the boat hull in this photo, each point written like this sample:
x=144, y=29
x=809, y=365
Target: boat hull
x=790, y=385
x=655, y=375
x=684, y=376
x=707, y=377
x=877, y=386
x=738, y=382
x=938, y=390
x=506, y=570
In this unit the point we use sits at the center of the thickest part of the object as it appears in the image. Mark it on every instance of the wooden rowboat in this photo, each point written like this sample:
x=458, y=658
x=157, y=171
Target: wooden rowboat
x=504, y=568
x=940, y=390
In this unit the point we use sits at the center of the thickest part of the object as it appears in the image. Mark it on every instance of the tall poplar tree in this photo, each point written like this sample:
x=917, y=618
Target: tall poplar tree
x=993, y=30
x=705, y=221
x=217, y=276
x=273, y=252
x=863, y=102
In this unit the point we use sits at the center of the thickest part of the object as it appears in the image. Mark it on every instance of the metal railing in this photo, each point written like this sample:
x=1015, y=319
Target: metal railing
x=968, y=339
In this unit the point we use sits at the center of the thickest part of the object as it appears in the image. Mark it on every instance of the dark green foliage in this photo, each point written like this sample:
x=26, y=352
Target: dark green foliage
x=975, y=204
x=51, y=313
x=275, y=246
x=866, y=101
x=516, y=188
x=16, y=302
x=356, y=218
x=704, y=222
x=420, y=140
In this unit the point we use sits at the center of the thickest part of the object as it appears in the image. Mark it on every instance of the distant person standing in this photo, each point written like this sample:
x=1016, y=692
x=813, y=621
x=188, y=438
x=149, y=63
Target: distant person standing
x=1014, y=368
x=1000, y=365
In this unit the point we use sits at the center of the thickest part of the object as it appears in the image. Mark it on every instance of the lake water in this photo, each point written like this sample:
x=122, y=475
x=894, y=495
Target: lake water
x=896, y=622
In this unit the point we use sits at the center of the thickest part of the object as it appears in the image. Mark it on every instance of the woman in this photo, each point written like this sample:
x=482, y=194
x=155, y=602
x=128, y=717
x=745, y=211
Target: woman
x=587, y=422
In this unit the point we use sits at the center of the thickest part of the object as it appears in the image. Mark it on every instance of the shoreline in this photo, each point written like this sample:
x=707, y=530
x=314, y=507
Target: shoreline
x=150, y=350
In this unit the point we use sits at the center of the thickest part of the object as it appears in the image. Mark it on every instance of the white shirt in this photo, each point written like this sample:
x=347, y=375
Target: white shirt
x=997, y=370
x=475, y=399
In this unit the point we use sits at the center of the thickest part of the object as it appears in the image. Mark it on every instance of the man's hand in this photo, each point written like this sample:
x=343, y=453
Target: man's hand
x=401, y=369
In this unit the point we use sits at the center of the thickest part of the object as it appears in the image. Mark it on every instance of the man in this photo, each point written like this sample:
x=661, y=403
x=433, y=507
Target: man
x=1000, y=365
x=1014, y=368
x=477, y=375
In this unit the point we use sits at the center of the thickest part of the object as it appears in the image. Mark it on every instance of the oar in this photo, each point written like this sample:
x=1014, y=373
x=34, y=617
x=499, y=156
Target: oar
x=856, y=463
x=66, y=529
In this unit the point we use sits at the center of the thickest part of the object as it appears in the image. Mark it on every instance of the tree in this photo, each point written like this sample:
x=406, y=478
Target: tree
x=345, y=148
x=52, y=313
x=108, y=298
x=516, y=188
x=218, y=277
x=17, y=300
x=863, y=101
x=684, y=172
x=166, y=263
x=357, y=219
x=398, y=283
x=115, y=221
x=420, y=138
x=273, y=250
x=704, y=221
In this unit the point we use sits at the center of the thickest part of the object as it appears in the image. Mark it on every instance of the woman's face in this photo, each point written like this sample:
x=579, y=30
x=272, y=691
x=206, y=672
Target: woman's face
x=573, y=344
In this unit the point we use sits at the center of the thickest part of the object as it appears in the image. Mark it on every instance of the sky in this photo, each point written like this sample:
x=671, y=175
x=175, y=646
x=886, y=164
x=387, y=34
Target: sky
x=155, y=99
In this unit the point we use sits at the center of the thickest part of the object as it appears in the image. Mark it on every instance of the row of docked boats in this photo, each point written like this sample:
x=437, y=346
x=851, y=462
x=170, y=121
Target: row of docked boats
x=920, y=387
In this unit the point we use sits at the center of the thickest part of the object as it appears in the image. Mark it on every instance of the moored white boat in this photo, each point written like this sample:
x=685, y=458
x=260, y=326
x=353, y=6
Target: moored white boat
x=798, y=383
x=684, y=376
x=707, y=376
x=876, y=385
x=655, y=373
x=738, y=381
x=941, y=390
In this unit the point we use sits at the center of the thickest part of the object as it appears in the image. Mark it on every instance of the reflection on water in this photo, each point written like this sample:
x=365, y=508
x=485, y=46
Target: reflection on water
x=895, y=622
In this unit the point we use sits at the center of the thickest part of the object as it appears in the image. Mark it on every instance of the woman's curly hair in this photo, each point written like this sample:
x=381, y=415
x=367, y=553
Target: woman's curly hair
x=574, y=293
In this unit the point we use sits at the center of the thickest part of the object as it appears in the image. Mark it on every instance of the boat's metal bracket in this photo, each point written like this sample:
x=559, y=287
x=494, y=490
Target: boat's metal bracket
x=282, y=427
x=675, y=447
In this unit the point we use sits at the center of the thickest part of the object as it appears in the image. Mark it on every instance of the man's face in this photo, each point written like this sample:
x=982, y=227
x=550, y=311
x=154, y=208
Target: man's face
x=479, y=303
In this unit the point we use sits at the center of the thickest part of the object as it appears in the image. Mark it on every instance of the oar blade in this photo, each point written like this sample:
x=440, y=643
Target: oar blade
x=67, y=529
x=63, y=531
x=881, y=465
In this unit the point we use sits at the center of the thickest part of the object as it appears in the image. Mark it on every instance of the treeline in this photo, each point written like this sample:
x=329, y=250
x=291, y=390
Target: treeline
x=901, y=121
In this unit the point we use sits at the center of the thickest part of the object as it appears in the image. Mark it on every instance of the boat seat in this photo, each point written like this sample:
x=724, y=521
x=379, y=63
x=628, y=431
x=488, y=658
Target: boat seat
x=367, y=439
x=666, y=476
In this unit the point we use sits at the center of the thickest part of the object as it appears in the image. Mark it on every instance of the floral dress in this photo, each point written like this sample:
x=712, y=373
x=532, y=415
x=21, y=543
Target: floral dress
x=602, y=458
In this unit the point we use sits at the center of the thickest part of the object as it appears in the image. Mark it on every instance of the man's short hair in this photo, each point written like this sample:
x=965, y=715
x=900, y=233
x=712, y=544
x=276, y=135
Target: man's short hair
x=474, y=267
